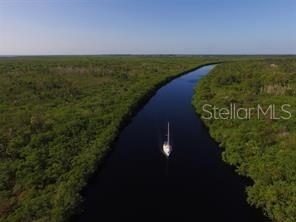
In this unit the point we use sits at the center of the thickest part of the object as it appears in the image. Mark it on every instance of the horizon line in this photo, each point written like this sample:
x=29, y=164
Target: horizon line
x=153, y=54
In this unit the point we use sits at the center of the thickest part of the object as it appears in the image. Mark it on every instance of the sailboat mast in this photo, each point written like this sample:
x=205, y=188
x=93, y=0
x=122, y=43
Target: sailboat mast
x=168, y=133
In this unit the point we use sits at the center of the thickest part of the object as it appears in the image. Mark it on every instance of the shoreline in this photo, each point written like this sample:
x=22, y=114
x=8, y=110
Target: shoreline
x=126, y=119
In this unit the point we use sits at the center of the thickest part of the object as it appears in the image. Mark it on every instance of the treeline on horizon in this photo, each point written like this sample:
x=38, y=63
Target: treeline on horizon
x=59, y=116
x=263, y=149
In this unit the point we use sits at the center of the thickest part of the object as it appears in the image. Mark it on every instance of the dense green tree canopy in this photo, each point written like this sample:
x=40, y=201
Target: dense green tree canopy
x=263, y=149
x=59, y=116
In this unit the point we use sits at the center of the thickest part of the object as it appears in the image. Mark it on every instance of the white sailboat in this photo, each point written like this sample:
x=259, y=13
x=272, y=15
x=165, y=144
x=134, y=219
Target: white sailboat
x=166, y=147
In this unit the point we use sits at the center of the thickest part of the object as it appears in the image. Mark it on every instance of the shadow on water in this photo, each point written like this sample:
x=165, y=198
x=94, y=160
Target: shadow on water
x=138, y=183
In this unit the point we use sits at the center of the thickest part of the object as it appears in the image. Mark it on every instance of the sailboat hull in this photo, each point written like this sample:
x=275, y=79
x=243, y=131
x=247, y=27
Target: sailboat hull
x=167, y=149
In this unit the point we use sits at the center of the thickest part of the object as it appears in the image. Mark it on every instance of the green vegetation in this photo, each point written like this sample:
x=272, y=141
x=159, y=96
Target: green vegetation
x=263, y=149
x=59, y=116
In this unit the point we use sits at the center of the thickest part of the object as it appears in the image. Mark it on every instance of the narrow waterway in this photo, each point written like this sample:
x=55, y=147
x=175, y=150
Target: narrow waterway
x=138, y=183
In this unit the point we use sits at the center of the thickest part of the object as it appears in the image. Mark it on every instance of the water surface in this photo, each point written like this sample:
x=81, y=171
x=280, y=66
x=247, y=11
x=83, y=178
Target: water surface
x=138, y=183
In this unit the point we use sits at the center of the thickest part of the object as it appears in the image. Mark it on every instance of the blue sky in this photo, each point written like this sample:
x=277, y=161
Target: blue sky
x=30, y=27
